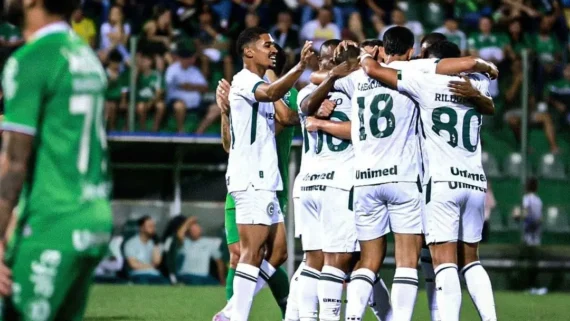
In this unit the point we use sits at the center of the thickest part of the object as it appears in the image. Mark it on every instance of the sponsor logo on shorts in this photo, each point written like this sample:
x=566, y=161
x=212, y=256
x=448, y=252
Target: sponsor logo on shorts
x=320, y=188
x=270, y=209
x=39, y=310
x=472, y=176
x=456, y=185
x=322, y=176
x=374, y=173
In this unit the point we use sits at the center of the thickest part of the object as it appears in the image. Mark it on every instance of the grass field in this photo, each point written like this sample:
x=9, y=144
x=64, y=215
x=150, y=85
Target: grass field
x=129, y=302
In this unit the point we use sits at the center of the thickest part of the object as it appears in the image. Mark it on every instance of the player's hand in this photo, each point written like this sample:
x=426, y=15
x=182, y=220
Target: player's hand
x=493, y=71
x=222, y=93
x=312, y=124
x=343, y=70
x=326, y=109
x=5, y=275
x=306, y=54
x=463, y=88
x=343, y=46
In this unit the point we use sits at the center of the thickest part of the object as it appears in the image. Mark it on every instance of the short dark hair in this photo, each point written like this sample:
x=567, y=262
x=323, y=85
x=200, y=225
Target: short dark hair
x=115, y=56
x=142, y=220
x=351, y=52
x=443, y=49
x=532, y=185
x=398, y=40
x=329, y=43
x=433, y=38
x=63, y=8
x=280, y=60
x=372, y=43
x=248, y=36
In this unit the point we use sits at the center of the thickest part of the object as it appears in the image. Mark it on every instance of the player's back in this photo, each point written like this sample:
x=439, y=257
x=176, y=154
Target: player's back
x=451, y=127
x=54, y=89
x=385, y=138
x=253, y=153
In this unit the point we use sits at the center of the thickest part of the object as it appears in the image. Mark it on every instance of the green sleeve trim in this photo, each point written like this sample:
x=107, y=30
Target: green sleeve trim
x=399, y=75
x=257, y=85
x=437, y=61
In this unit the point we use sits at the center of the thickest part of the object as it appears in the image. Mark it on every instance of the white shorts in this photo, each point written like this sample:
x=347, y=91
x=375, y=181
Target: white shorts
x=453, y=212
x=390, y=206
x=310, y=217
x=257, y=207
x=338, y=221
x=297, y=216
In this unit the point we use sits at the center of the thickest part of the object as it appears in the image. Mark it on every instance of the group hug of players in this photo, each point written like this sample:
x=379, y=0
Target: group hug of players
x=390, y=144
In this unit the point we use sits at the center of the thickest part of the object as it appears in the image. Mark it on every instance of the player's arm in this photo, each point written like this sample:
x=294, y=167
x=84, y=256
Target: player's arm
x=311, y=103
x=222, y=93
x=373, y=69
x=284, y=115
x=454, y=66
x=483, y=103
x=317, y=77
x=265, y=92
x=334, y=128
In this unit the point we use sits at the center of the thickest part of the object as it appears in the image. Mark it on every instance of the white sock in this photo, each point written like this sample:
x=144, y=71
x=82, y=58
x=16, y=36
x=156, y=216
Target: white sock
x=404, y=293
x=292, y=312
x=244, y=289
x=429, y=274
x=266, y=271
x=479, y=286
x=330, y=293
x=307, y=295
x=448, y=291
x=380, y=301
x=358, y=293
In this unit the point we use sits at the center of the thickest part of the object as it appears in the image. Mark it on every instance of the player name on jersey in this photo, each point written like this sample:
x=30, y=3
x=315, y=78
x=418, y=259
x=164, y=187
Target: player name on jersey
x=451, y=99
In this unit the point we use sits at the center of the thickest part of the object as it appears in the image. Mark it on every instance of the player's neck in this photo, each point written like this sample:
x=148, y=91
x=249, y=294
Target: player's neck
x=256, y=69
x=390, y=58
x=38, y=19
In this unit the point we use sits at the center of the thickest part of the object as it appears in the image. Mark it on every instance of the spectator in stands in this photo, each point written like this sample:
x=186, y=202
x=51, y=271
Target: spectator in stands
x=379, y=9
x=150, y=92
x=558, y=95
x=143, y=255
x=115, y=34
x=320, y=29
x=117, y=89
x=197, y=252
x=514, y=110
x=112, y=263
x=399, y=19
x=214, y=47
x=223, y=9
x=548, y=52
x=517, y=41
x=308, y=9
x=84, y=27
x=251, y=20
x=342, y=9
x=185, y=85
x=157, y=36
x=532, y=214
x=451, y=30
x=286, y=35
x=10, y=39
x=354, y=30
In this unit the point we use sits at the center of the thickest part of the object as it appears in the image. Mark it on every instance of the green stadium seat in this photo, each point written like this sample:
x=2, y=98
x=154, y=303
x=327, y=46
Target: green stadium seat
x=551, y=167
x=556, y=219
x=513, y=165
x=490, y=165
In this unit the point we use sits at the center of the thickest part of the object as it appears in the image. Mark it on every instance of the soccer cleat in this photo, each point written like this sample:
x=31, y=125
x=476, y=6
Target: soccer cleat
x=220, y=317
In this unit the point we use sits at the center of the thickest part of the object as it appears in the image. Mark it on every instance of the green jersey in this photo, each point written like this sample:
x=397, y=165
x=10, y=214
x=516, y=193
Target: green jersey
x=149, y=85
x=9, y=32
x=54, y=90
x=559, y=90
x=117, y=84
x=479, y=41
x=546, y=47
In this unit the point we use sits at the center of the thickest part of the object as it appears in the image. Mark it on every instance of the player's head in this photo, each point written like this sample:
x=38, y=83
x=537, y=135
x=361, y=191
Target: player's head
x=256, y=46
x=19, y=12
x=429, y=40
x=146, y=61
x=443, y=49
x=399, y=41
x=280, y=61
x=147, y=226
x=350, y=54
x=369, y=44
x=532, y=185
x=194, y=230
x=326, y=54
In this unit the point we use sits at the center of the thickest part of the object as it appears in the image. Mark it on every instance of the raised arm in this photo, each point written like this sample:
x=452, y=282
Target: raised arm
x=373, y=69
x=454, y=66
x=311, y=104
x=274, y=91
x=483, y=103
x=335, y=128
x=283, y=114
x=222, y=93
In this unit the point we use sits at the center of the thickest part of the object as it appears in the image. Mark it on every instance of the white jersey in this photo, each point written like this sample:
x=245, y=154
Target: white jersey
x=451, y=127
x=333, y=163
x=309, y=141
x=253, y=153
x=385, y=139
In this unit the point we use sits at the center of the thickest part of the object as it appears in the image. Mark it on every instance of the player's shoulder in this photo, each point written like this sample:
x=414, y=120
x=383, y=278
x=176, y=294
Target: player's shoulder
x=479, y=77
x=244, y=78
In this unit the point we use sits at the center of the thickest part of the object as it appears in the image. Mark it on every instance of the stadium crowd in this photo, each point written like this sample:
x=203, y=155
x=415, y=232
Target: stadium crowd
x=184, y=47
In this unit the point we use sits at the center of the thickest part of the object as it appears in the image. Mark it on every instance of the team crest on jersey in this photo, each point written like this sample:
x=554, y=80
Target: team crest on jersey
x=270, y=209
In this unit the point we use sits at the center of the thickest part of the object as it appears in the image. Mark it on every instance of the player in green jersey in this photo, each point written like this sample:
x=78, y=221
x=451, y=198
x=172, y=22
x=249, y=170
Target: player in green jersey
x=54, y=158
x=150, y=89
x=279, y=282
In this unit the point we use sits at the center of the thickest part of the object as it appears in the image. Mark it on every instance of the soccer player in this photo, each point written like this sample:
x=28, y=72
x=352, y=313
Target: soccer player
x=54, y=157
x=253, y=174
x=429, y=40
x=279, y=282
x=150, y=92
x=455, y=193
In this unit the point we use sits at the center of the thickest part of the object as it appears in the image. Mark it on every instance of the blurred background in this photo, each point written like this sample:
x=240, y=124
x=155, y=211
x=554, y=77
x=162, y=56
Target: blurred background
x=164, y=59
